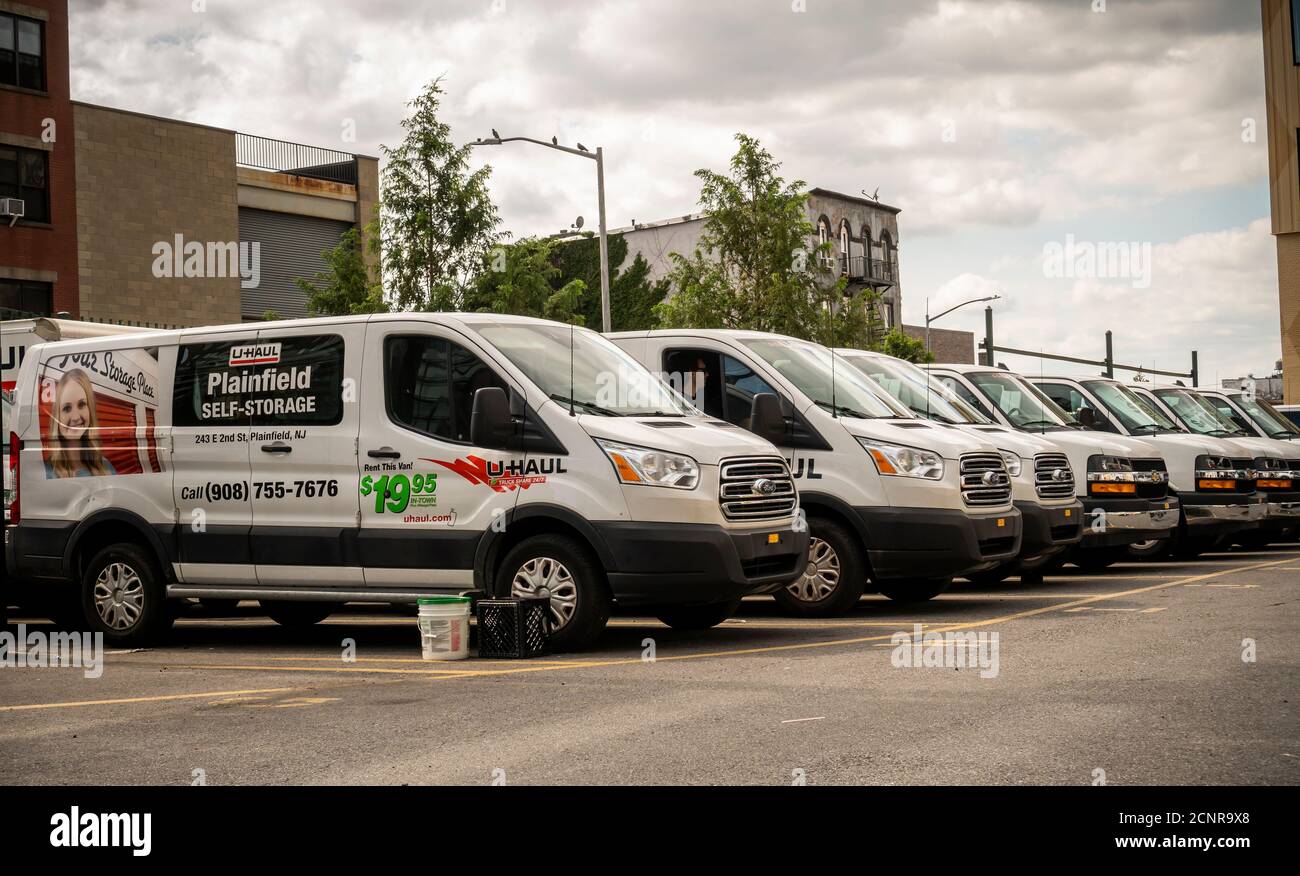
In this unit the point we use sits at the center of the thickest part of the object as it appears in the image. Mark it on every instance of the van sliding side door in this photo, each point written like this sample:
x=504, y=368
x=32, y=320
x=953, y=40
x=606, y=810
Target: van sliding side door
x=303, y=451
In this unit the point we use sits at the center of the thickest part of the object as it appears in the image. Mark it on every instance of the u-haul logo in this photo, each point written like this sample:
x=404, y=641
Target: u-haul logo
x=254, y=354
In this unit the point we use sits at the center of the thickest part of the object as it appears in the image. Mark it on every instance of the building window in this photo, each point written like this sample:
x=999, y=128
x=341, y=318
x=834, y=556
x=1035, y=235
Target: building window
x=22, y=175
x=1295, y=31
x=22, y=52
x=28, y=299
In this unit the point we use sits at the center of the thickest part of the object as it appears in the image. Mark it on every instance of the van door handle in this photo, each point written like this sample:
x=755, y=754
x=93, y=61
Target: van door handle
x=384, y=453
x=277, y=447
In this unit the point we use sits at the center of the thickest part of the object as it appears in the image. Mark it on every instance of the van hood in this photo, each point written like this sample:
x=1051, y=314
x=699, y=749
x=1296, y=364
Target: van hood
x=950, y=442
x=1104, y=443
x=1256, y=447
x=1024, y=444
x=704, y=439
x=1207, y=444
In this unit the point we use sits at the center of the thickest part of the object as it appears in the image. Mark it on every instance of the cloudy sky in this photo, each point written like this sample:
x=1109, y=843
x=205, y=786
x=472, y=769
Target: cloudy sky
x=1001, y=129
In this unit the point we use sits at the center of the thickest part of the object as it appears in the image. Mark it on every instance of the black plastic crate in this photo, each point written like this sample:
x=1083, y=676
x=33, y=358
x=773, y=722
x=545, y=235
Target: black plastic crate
x=514, y=627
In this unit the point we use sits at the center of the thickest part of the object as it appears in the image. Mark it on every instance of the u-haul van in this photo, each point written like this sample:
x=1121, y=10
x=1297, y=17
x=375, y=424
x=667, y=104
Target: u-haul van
x=384, y=458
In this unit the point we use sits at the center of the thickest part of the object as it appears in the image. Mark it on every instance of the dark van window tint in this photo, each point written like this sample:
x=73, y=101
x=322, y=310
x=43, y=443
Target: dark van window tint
x=742, y=384
x=270, y=382
x=430, y=384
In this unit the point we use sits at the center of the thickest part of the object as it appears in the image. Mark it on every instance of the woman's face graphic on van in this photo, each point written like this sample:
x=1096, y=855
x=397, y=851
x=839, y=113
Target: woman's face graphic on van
x=73, y=411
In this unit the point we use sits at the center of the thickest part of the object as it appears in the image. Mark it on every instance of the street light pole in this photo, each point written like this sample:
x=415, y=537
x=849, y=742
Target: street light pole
x=599, y=157
x=938, y=316
x=604, y=242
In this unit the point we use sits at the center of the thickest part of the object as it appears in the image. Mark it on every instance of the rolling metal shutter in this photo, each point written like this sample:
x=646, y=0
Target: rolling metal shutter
x=291, y=247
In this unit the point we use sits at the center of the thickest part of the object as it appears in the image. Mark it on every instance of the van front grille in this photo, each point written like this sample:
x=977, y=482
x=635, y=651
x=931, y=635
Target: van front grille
x=984, y=479
x=756, y=488
x=1147, y=489
x=1047, y=483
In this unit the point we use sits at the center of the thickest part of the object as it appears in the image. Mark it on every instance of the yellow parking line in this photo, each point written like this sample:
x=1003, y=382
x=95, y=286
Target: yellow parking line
x=153, y=699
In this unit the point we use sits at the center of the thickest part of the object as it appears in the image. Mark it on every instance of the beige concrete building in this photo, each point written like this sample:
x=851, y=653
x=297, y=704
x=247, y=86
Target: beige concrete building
x=1281, y=19
x=181, y=224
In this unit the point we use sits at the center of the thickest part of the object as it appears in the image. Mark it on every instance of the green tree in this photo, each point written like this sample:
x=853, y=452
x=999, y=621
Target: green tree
x=632, y=295
x=435, y=222
x=755, y=267
x=346, y=286
x=903, y=346
x=519, y=278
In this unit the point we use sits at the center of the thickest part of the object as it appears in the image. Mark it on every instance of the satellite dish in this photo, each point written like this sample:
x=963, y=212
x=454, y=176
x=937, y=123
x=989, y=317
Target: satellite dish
x=578, y=223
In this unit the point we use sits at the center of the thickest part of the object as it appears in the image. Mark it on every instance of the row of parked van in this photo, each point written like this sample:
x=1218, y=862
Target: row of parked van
x=384, y=458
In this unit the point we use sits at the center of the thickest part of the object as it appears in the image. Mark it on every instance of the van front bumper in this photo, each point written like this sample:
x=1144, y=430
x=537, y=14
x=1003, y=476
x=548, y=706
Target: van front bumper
x=1128, y=521
x=1049, y=529
x=1222, y=514
x=936, y=542
x=686, y=564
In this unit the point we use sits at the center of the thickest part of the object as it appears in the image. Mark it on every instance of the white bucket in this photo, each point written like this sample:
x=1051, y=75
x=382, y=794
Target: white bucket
x=444, y=627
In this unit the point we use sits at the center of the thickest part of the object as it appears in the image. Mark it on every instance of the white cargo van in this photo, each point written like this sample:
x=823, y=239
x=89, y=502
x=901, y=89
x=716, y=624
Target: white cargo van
x=1042, y=482
x=1122, y=482
x=1213, y=480
x=383, y=458
x=1276, y=463
x=1253, y=414
x=900, y=501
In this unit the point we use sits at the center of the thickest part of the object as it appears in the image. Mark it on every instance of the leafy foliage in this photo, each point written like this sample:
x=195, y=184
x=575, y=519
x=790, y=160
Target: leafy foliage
x=435, y=223
x=521, y=279
x=755, y=267
x=904, y=346
x=346, y=287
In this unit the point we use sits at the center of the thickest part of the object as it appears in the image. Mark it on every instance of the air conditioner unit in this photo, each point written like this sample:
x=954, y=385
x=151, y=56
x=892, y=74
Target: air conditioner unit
x=12, y=209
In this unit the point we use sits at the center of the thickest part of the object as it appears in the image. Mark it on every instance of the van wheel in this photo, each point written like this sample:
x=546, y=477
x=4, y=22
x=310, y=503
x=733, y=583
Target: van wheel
x=914, y=589
x=298, y=614
x=1150, y=549
x=834, y=577
x=562, y=569
x=697, y=617
x=123, y=596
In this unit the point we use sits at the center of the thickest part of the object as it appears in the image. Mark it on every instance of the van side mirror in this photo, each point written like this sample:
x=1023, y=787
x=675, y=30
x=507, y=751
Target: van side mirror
x=766, y=419
x=490, y=424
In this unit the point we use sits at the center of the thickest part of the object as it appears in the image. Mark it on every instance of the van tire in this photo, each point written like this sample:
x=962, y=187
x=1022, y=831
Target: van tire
x=1150, y=549
x=123, y=596
x=697, y=617
x=298, y=614
x=907, y=590
x=591, y=603
x=833, y=550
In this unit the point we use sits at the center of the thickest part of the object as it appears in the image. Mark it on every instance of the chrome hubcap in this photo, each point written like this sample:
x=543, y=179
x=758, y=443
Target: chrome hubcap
x=821, y=576
x=548, y=579
x=119, y=596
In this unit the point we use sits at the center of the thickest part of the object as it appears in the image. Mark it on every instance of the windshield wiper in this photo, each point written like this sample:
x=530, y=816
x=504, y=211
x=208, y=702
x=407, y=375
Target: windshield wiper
x=842, y=411
x=591, y=406
x=1028, y=423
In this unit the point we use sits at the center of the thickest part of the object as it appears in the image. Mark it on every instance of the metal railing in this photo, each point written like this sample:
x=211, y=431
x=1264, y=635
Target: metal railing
x=278, y=156
x=863, y=269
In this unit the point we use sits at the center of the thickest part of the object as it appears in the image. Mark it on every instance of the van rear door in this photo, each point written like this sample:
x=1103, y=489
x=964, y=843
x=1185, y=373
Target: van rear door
x=303, y=452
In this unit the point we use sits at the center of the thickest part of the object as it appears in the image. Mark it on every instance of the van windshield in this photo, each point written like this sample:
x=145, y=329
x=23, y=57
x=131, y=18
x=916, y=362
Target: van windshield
x=1196, y=413
x=924, y=395
x=598, y=377
x=1023, y=404
x=808, y=367
x=1267, y=417
x=1136, y=415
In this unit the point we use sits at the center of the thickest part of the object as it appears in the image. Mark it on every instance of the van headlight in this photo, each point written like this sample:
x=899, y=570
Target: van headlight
x=1012, y=461
x=651, y=468
x=910, y=462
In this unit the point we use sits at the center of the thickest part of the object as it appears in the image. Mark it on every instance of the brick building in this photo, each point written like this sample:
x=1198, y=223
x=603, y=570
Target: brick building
x=38, y=252
x=139, y=219
x=1281, y=19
